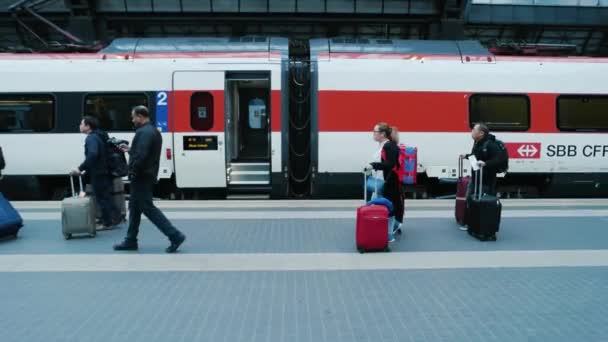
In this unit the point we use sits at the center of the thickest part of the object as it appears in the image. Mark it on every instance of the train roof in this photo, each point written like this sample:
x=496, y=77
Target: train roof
x=190, y=45
x=236, y=47
x=445, y=47
x=461, y=48
x=467, y=51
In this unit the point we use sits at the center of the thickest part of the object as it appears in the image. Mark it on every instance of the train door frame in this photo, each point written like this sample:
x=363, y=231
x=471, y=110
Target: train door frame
x=248, y=149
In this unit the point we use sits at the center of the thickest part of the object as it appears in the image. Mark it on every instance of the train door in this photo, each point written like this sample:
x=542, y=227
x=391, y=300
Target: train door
x=248, y=129
x=198, y=141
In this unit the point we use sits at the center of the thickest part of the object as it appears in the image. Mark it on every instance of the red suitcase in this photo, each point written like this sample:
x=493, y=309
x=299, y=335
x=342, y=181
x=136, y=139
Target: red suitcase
x=461, y=193
x=372, y=226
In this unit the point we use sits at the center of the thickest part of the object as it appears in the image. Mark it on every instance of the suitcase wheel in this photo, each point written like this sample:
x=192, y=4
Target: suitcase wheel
x=67, y=236
x=361, y=250
x=387, y=249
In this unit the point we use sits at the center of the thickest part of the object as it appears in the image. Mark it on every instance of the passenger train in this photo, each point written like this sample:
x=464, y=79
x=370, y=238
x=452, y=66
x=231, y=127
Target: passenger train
x=256, y=115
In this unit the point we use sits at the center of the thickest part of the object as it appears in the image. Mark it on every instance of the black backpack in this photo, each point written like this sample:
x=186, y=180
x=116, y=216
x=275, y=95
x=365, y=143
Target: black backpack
x=115, y=158
x=117, y=162
x=503, y=156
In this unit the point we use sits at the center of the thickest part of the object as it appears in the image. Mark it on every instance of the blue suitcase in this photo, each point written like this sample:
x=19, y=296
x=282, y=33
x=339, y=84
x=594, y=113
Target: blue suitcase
x=10, y=220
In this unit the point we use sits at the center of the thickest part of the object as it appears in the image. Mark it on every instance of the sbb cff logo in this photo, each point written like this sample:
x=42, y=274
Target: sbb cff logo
x=524, y=150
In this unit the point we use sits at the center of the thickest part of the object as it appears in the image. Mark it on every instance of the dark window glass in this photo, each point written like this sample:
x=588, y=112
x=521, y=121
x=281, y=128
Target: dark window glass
x=500, y=112
x=27, y=113
x=201, y=111
x=582, y=112
x=113, y=110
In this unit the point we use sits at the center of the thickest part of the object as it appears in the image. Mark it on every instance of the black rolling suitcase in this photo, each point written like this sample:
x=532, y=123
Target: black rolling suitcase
x=484, y=211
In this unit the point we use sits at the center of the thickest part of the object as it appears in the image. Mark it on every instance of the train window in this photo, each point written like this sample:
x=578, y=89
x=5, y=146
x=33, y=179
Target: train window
x=27, y=113
x=113, y=110
x=582, y=112
x=501, y=112
x=201, y=111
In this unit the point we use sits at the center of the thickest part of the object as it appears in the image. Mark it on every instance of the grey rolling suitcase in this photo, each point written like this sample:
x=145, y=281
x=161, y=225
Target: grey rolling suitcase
x=77, y=214
x=118, y=197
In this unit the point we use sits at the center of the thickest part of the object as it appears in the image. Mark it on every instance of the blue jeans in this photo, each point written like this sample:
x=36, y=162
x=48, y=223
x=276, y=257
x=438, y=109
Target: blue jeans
x=372, y=183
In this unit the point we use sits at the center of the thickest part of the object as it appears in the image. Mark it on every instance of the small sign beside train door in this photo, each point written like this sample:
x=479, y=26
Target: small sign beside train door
x=162, y=111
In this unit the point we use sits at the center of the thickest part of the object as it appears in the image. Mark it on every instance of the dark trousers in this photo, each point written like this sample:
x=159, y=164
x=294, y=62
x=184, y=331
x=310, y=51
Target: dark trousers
x=141, y=202
x=392, y=192
x=102, y=190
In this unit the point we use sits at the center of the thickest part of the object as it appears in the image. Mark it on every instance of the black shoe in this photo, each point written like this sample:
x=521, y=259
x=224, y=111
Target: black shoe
x=117, y=221
x=491, y=237
x=126, y=246
x=176, y=243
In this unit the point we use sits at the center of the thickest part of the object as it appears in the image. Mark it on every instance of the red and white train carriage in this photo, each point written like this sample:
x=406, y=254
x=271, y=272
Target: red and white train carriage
x=245, y=115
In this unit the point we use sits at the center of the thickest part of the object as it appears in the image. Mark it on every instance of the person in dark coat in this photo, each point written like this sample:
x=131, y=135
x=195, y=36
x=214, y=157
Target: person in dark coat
x=487, y=153
x=96, y=167
x=144, y=157
x=389, y=165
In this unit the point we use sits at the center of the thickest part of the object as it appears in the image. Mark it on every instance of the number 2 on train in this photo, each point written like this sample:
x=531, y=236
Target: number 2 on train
x=161, y=98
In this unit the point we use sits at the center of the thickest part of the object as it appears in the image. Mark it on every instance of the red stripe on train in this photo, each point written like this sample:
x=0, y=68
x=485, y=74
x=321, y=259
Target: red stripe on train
x=348, y=111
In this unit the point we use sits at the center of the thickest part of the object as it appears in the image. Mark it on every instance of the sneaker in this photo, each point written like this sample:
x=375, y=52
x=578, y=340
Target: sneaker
x=397, y=230
x=176, y=243
x=391, y=238
x=463, y=228
x=101, y=226
x=126, y=246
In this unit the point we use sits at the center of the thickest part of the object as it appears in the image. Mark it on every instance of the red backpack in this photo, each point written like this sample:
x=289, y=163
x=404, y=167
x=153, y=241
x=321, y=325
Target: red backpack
x=407, y=168
x=408, y=164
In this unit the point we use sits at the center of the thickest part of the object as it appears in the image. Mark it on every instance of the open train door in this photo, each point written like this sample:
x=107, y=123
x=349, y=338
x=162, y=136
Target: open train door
x=198, y=117
x=248, y=132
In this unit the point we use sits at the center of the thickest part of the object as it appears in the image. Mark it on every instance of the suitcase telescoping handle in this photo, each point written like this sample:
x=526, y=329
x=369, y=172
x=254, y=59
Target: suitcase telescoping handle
x=460, y=167
x=479, y=184
x=364, y=185
x=367, y=170
x=74, y=194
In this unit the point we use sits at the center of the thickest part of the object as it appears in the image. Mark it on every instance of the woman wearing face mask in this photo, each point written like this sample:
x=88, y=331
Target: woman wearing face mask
x=389, y=164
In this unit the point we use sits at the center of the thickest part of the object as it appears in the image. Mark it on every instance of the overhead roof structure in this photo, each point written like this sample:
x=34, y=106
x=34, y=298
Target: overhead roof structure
x=579, y=23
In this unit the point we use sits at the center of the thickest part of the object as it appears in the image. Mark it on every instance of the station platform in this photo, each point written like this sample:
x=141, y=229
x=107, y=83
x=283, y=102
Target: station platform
x=289, y=271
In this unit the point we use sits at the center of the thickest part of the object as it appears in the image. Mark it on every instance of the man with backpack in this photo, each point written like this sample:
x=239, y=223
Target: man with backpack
x=491, y=154
x=96, y=166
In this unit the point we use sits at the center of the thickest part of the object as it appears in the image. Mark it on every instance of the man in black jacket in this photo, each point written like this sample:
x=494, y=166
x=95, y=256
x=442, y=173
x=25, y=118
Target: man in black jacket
x=96, y=166
x=487, y=154
x=144, y=156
